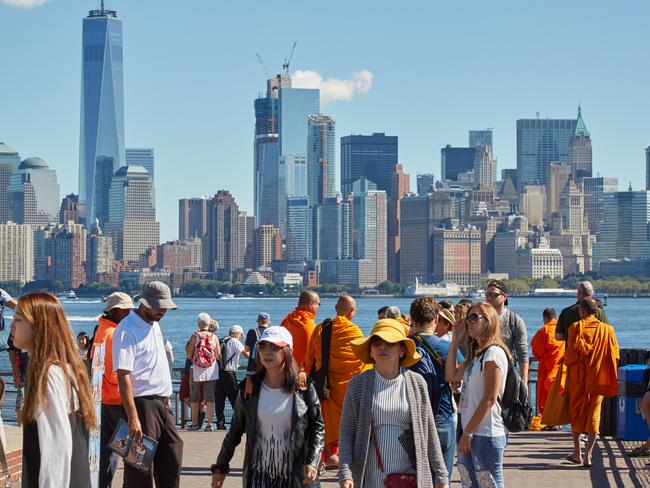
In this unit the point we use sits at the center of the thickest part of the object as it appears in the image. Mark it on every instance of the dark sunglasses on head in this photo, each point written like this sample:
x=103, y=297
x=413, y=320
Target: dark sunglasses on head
x=473, y=318
x=268, y=345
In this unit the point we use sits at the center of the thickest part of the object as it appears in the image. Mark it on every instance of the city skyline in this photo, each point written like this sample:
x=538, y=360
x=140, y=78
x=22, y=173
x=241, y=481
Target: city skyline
x=615, y=116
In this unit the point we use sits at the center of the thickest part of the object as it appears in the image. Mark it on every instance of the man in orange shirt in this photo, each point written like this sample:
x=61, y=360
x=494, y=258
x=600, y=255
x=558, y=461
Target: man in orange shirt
x=549, y=352
x=300, y=323
x=343, y=365
x=591, y=357
x=118, y=306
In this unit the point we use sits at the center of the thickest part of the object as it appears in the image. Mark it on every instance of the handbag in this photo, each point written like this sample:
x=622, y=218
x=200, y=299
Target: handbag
x=556, y=411
x=393, y=480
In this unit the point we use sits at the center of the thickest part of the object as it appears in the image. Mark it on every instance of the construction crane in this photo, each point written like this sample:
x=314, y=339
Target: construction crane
x=266, y=71
x=287, y=61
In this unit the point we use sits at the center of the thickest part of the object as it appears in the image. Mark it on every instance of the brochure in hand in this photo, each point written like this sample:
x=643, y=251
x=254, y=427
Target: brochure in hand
x=138, y=453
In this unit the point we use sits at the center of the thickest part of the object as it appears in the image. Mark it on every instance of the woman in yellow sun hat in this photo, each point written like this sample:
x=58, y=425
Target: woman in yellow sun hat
x=387, y=426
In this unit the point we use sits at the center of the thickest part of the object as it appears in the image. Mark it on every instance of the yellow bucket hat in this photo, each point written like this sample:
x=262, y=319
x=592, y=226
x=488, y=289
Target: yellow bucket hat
x=392, y=331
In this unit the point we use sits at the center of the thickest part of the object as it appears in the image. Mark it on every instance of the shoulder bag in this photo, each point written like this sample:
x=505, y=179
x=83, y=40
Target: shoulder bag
x=392, y=480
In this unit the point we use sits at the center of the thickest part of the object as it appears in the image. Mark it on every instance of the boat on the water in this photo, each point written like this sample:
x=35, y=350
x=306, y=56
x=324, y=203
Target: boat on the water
x=70, y=295
x=553, y=292
x=224, y=295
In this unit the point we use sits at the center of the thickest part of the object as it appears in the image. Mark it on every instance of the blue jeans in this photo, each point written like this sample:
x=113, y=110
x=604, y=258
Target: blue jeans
x=447, y=435
x=482, y=467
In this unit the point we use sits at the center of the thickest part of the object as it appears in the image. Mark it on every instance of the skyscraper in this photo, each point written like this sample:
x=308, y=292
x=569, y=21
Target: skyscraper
x=372, y=157
x=580, y=155
x=485, y=168
x=332, y=229
x=69, y=211
x=132, y=213
x=425, y=183
x=399, y=186
x=9, y=161
x=457, y=256
x=192, y=217
x=101, y=144
x=540, y=142
x=647, y=168
x=99, y=255
x=223, y=248
x=480, y=137
x=558, y=175
x=33, y=193
x=141, y=157
x=369, y=227
x=299, y=230
x=455, y=160
x=321, y=162
x=594, y=189
x=16, y=252
x=268, y=245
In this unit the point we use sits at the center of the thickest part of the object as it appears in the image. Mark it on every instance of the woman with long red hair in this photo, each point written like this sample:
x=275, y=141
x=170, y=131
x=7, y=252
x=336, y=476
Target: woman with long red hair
x=58, y=406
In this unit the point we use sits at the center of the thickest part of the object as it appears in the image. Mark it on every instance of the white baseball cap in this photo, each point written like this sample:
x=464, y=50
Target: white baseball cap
x=277, y=335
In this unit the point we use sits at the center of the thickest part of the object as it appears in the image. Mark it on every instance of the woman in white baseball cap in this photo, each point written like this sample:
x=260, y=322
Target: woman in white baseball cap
x=284, y=424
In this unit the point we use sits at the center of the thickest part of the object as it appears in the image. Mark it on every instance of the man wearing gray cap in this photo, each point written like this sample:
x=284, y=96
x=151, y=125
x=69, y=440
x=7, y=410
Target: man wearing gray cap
x=145, y=386
x=118, y=306
x=253, y=335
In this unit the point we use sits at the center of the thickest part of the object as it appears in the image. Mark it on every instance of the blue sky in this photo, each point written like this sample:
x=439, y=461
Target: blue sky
x=438, y=68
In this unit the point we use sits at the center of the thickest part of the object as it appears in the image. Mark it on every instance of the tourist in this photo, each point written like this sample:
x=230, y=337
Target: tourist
x=252, y=337
x=644, y=450
x=283, y=424
x=342, y=366
x=203, y=348
x=426, y=317
x=484, y=372
x=381, y=313
x=591, y=358
x=571, y=314
x=17, y=358
x=83, y=345
x=390, y=405
x=145, y=386
x=447, y=305
x=445, y=324
x=227, y=386
x=118, y=306
x=513, y=328
x=301, y=322
x=549, y=353
x=393, y=312
x=58, y=405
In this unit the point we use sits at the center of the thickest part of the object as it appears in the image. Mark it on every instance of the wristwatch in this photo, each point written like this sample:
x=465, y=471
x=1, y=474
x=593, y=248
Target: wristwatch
x=215, y=468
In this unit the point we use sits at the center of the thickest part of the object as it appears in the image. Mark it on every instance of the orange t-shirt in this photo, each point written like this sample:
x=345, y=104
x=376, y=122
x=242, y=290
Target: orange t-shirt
x=110, y=391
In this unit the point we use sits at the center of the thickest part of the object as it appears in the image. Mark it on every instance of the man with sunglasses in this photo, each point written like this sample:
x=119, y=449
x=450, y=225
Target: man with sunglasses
x=513, y=327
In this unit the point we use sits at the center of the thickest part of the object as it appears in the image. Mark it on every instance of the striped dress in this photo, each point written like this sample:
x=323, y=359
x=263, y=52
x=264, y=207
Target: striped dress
x=393, y=426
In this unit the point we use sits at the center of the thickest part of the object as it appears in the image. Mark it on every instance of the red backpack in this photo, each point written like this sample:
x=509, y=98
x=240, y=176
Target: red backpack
x=204, y=354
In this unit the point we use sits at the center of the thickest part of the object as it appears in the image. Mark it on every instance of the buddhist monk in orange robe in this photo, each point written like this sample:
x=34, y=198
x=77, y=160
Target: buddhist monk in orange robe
x=300, y=323
x=343, y=365
x=591, y=357
x=549, y=352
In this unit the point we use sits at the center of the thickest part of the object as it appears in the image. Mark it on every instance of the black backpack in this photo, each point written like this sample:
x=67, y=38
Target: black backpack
x=516, y=411
x=222, y=346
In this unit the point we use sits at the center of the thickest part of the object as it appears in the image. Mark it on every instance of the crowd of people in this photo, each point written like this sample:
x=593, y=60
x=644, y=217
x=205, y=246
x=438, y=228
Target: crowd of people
x=418, y=397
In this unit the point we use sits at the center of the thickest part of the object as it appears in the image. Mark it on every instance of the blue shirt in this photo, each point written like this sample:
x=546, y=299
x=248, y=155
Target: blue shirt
x=433, y=372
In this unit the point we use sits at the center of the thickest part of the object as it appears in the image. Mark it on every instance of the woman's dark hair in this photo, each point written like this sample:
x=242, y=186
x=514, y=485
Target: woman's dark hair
x=445, y=304
x=290, y=381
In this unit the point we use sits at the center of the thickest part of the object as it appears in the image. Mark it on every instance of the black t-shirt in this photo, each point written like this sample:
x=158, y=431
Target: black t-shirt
x=571, y=315
x=252, y=336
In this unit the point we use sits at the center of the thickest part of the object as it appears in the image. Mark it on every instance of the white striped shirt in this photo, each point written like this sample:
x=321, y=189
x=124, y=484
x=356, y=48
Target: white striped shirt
x=392, y=418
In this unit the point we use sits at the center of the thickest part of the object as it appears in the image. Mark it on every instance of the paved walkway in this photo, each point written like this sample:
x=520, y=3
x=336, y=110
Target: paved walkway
x=533, y=459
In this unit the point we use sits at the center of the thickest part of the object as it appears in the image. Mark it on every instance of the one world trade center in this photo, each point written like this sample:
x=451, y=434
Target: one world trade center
x=101, y=145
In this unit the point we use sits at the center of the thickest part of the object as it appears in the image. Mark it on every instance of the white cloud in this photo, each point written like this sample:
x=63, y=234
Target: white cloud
x=23, y=3
x=333, y=89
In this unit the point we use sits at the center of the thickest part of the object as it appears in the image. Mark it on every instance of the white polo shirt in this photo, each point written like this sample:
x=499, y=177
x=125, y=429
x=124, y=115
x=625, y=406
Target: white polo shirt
x=138, y=347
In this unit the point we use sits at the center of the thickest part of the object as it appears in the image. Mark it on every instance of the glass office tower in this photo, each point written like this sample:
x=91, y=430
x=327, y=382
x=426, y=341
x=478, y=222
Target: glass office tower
x=373, y=157
x=101, y=144
x=321, y=167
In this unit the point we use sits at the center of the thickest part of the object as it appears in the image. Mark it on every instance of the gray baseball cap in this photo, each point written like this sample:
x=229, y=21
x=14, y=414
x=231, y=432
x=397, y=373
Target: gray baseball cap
x=156, y=294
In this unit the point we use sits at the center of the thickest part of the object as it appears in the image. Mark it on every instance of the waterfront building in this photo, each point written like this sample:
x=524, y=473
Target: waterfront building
x=539, y=143
x=268, y=245
x=457, y=256
x=101, y=143
x=16, y=252
x=67, y=265
x=141, y=157
x=321, y=158
x=33, y=193
x=539, y=263
x=369, y=156
x=9, y=161
x=132, y=213
x=192, y=217
x=456, y=160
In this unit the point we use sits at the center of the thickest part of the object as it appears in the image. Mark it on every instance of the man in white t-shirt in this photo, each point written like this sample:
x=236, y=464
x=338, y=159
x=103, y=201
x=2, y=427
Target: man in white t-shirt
x=145, y=386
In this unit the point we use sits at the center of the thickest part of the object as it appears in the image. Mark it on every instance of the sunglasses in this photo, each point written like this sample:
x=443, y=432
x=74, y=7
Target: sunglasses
x=268, y=345
x=474, y=317
x=493, y=294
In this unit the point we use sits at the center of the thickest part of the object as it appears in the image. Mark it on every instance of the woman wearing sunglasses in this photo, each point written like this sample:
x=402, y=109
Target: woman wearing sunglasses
x=387, y=427
x=481, y=447
x=283, y=424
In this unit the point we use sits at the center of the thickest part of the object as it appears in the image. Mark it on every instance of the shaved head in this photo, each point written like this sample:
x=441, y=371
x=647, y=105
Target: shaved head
x=308, y=296
x=345, y=304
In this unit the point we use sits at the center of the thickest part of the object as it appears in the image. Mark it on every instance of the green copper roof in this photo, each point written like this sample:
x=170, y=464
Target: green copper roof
x=581, y=128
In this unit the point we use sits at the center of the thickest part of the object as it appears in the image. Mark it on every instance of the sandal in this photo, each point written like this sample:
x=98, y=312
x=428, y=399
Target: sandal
x=641, y=451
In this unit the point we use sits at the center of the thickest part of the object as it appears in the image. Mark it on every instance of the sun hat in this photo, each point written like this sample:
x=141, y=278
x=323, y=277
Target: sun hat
x=118, y=300
x=389, y=330
x=447, y=315
x=156, y=294
x=277, y=335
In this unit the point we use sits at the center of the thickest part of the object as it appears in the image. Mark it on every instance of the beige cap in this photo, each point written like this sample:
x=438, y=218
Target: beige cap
x=156, y=294
x=118, y=300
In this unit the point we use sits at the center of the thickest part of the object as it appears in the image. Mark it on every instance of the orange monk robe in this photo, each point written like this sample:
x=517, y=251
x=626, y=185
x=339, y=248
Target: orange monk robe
x=343, y=366
x=549, y=353
x=300, y=323
x=591, y=356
